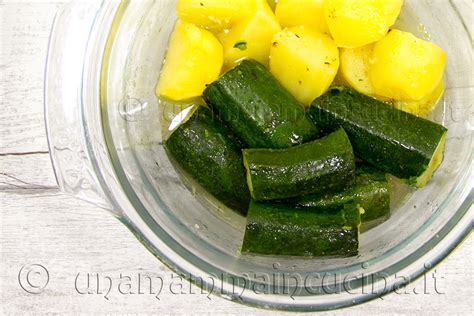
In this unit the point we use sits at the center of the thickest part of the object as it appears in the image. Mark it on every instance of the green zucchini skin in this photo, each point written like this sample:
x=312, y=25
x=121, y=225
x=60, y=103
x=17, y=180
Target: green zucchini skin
x=206, y=149
x=370, y=189
x=394, y=141
x=323, y=165
x=258, y=109
x=281, y=230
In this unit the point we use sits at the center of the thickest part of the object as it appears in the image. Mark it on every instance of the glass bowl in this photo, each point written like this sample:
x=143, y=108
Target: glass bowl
x=106, y=129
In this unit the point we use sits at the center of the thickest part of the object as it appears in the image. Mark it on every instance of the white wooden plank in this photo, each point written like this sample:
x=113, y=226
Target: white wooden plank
x=24, y=34
x=70, y=237
x=33, y=172
x=465, y=9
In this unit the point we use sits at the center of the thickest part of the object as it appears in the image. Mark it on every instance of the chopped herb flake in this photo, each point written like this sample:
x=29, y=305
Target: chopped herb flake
x=242, y=45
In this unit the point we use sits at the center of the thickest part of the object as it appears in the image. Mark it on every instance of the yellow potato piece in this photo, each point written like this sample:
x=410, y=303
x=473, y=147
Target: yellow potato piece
x=425, y=105
x=194, y=59
x=309, y=13
x=392, y=10
x=304, y=61
x=355, y=23
x=214, y=14
x=251, y=38
x=355, y=67
x=405, y=67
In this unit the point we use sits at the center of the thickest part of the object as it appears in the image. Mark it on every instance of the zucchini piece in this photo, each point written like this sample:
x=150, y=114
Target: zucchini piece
x=320, y=166
x=396, y=142
x=206, y=149
x=259, y=110
x=281, y=230
x=370, y=189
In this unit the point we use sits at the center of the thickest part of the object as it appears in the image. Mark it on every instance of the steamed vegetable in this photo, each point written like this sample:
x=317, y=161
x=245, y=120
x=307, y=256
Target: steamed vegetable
x=323, y=165
x=355, y=23
x=405, y=67
x=425, y=105
x=304, y=61
x=370, y=189
x=276, y=229
x=194, y=59
x=205, y=148
x=307, y=13
x=355, y=68
x=251, y=38
x=394, y=141
x=258, y=109
x=214, y=14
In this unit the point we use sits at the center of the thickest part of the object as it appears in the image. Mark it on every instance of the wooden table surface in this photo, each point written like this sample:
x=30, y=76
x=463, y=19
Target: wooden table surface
x=71, y=239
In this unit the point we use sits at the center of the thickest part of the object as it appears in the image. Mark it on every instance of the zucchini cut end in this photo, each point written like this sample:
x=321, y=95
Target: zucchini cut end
x=352, y=214
x=435, y=162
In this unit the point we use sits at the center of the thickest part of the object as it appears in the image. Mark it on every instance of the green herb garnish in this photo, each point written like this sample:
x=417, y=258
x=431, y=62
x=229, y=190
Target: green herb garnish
x=242, y=45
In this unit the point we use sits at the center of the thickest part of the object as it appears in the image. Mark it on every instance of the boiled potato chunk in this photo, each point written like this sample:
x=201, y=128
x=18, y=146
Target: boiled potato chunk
x=355, y=67
x=308, y=13
x=304, y=61
x=424, y=106
x=214, y=14
x=355, y=23
x=405, y=67
x=251, y=38
x=392, y=10
x=194, y=59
